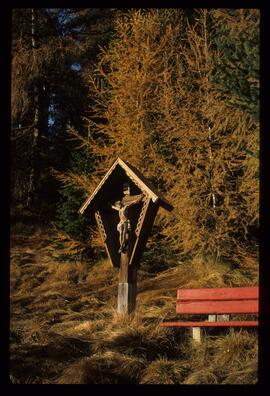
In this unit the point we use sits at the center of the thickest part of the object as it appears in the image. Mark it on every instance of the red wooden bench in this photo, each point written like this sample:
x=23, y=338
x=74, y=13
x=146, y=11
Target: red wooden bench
x=218, y=304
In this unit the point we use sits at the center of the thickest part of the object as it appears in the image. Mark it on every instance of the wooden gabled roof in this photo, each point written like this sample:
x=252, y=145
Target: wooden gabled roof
x=134, y=175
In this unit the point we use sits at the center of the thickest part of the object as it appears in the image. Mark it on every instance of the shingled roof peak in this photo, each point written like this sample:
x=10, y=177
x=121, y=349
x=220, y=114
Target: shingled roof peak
x=135, y=175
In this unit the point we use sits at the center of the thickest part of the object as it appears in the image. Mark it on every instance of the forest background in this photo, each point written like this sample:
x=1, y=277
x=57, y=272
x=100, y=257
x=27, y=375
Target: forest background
x=175, y=92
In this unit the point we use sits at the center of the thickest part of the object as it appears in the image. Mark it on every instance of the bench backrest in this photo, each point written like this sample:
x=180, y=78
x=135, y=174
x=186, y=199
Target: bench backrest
x=218, y=301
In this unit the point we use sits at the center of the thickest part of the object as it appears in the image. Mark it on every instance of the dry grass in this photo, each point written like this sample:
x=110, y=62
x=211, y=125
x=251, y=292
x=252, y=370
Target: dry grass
x=225, y=359
x=110, y=367
x=164, y=371
x=65, y=328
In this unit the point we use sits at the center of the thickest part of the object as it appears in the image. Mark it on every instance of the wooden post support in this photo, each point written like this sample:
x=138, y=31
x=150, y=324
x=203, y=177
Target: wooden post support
x=219, y=318
x=197, y=331
x=127, y=287
x=196, y=334
x=223, y=318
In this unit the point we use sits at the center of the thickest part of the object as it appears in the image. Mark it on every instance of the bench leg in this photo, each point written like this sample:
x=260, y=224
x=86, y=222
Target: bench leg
x=223, y=318
x=196, y=334
x=219, y=318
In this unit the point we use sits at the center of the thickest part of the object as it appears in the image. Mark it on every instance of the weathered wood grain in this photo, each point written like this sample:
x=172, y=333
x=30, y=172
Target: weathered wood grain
x=126, y=300
x=127, y=288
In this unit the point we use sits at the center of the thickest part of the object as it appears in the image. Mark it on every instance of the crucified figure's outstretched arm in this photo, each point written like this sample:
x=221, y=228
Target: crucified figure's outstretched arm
x=130, y=201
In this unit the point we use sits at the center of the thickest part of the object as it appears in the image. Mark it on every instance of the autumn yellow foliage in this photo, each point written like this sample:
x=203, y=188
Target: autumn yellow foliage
x=156, y=107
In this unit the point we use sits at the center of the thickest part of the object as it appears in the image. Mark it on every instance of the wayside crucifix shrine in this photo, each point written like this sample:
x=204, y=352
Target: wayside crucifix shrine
x=125, y=205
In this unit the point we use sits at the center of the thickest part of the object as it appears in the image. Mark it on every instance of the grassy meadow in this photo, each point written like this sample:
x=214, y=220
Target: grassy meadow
x=64, y=327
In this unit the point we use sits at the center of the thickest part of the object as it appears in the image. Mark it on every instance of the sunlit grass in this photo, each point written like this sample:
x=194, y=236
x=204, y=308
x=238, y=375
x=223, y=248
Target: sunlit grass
x=66, y=329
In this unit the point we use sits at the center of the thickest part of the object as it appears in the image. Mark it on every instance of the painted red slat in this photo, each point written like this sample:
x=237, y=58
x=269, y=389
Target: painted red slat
x=221, y=293
x=210, y=324
x=217, y=307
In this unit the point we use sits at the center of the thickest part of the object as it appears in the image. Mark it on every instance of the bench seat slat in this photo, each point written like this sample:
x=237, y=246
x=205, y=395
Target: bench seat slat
x=210, y=324
x=217, y=307
x=221, y=293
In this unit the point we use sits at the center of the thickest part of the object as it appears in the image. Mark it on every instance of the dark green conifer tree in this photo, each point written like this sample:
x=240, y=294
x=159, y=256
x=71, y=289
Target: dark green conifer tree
x=67, y=219
x=236, y=35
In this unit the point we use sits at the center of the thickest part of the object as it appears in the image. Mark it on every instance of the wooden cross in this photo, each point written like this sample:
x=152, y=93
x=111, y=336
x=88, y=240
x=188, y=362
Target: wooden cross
x=127, y=287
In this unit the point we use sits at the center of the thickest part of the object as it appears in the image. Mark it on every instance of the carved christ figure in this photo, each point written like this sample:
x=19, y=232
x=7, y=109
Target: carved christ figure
x=123, y=227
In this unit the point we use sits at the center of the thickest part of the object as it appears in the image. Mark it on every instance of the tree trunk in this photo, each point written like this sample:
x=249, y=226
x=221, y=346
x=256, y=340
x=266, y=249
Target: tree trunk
x=33, y=155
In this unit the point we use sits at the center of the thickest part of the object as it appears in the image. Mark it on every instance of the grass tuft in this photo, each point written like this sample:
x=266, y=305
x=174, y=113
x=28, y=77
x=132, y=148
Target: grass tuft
x=164, y=371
